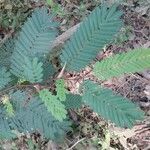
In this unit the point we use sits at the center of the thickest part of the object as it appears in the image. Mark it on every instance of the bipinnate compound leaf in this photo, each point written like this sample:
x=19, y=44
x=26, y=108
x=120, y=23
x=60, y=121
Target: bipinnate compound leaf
x=4, y=77
x=133, y=61
x=60, y=89
x=34, y=41
x=97, y=30
x=112, y=107
x=73, y=101
x=53, y=105
x=30, y=116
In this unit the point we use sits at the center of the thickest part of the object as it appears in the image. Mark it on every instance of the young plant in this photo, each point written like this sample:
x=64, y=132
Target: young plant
x=33, y=105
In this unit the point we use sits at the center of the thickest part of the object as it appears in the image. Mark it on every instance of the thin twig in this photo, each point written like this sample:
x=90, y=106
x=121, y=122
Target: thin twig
x=76, y=143
x=15, y=87
x=61, y=72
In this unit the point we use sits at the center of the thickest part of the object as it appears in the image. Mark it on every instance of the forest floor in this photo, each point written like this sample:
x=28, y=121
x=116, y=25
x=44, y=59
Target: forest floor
x=90, y=131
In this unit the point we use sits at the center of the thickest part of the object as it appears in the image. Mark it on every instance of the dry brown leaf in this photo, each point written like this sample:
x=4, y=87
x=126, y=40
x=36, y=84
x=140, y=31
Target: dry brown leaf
x=124, y=134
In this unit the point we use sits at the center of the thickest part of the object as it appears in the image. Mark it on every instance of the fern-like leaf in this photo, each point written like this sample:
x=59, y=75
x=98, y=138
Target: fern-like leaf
x=30, y=116
x=4, y=77
x=93, y=34
x=33, y=70
x=5, y=129
x=112, y=107
x=120, y=64
x=53, y=104
x=30, y=70
x=37, y=33
x=7, y=105
x=60, y=89
x=34, y=41
x=48, y=70
x=73, y=101
x=6, y=50
x=35, y=118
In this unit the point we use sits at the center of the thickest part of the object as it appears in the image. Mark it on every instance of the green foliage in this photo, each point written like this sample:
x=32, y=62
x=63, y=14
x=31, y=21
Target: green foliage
x=30, y=144
x=6, y=50
x=33, y=70
x=50, y=2
x=8, y=106
x=112, y=107
x=93, y=34
x=5, y=130
x=48, y=70
x=73, y=101
x=117, y=65
x=30, y=117
x=34, y=41
x=31, y=46
x=123, y=35
x=60, y=89
x=55, y=7
x=53, y=104
x=4, y=77
x=38, y=33
x=30, y=70
x=27, y=58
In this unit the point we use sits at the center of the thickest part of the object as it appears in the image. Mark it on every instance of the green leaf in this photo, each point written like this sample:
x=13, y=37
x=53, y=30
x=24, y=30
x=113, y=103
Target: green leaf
x=5, y=131
x=97, y=30
x=37, y=33
x=30, y=116
x=73, y=101
x=6, y=50
x=50, y=2
x=133, y=61
x=60, y=89
x=33, y=70
x=112, y=107
x=48, y=70
x=34, y=41
x=4, y=77
x=30, y=70
x=53, y=104
x=8, y=106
